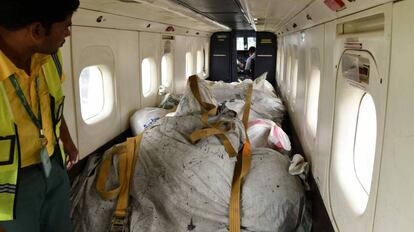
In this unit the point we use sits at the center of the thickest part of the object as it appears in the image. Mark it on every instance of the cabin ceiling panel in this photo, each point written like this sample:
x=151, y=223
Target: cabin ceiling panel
x=212, y=6
x=271, y=14
x=146, y=11
x=227, y=12
x=229, y=18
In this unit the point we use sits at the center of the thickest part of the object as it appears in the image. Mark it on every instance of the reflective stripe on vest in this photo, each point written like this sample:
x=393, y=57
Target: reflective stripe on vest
x=9, y=140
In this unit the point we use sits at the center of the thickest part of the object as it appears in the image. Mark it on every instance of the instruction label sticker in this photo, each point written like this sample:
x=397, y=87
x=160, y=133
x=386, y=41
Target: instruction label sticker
x=265, y=41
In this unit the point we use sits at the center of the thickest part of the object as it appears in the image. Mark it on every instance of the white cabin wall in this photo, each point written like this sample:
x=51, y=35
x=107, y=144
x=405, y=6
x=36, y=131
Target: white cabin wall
x=129, y=41
x=69, y=111
x=296, y=53
x=96, y=46
x=395, y=201
x=325, y=114
x=179, y=64
x=207, y=56
x=149, y=48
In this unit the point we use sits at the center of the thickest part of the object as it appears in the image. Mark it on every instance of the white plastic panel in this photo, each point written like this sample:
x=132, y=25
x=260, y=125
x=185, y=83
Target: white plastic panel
x=86, y=17
x=189, y=64
x=167, y=71
x=317, y=12
x=313, y=45
x=325, y=115
x=69, y=108
x=206, y=47
x=279, y=51
x=127, y=70
x=168, y=50
x=395, y=203
x=104, y=47
x=149, y=47
x=294, y=80
x=282, y=60
x=179, y=64
x=192, y=46
x=345, y=197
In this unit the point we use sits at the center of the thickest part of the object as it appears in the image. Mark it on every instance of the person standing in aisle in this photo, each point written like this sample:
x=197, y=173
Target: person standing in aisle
x=251, y=62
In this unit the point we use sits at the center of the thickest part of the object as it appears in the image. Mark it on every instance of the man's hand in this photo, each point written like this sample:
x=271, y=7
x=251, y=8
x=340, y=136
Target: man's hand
x=68, y=145
x=73, y=154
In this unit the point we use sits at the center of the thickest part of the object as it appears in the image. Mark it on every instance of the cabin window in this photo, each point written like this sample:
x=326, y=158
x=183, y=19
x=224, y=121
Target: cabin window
x=313, y=92
x=244, y=43
x=355, y=144
x=251, y=42
x=148, y=75
x=200, y=61
x=188, y=64
x=95, y=84
x=166, y=70
x=240, y=44
x=91, y=92
x=365, y=141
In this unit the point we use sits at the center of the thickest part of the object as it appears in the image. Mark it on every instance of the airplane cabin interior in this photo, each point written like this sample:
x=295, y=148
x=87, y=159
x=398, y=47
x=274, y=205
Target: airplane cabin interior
x=181, y=128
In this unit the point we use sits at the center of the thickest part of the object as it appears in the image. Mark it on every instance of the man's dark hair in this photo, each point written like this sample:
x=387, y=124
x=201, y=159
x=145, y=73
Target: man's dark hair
x=16, y=14
x=252, y=50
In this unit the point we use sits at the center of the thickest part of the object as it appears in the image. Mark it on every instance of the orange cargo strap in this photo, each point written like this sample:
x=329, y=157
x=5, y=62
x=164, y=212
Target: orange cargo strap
x=209, y=130
x=241, y=170
x=243, y=158
x=128, y=153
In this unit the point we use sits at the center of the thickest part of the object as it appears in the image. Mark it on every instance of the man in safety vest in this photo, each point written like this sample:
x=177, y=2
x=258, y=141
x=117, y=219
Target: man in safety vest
x=34, y=185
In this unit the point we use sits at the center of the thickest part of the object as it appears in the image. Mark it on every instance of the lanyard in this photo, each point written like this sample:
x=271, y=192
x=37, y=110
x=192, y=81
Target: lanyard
x=36, y=120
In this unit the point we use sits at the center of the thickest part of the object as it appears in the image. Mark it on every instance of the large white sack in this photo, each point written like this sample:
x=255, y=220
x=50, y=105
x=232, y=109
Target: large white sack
x=170, y=101
x=264, y=105
x=226, y=91
x=189, y=104
x=178, y=185
x=145, y=117
x=261, y=83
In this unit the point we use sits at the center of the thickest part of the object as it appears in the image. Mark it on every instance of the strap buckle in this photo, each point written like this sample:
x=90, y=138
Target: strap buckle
x=119, y=224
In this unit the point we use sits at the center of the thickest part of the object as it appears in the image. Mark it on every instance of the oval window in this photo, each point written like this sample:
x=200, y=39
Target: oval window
x=188, y=64
x=365, y=142
x=200, y=62
x=313, y=92
x=166, y=70
x=91, y=87
x=146, y=74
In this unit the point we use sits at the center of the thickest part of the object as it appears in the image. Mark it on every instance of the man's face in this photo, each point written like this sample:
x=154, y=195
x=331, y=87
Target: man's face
x=56, y=36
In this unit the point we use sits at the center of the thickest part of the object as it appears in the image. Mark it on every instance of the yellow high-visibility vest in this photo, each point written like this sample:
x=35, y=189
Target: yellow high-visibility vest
x=9, y=138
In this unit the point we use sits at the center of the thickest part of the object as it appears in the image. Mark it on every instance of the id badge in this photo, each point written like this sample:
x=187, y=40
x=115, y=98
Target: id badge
x=46, y=163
